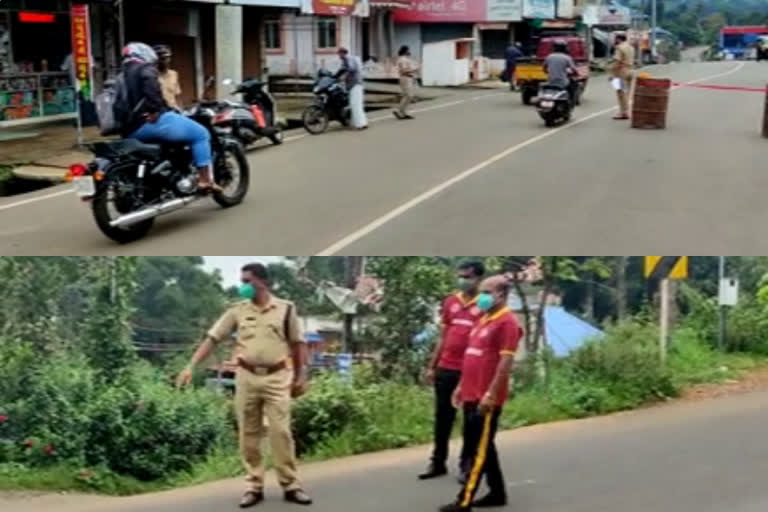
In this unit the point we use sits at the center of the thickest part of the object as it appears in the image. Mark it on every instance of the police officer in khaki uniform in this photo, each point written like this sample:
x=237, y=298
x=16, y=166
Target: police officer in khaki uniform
x=271, y=355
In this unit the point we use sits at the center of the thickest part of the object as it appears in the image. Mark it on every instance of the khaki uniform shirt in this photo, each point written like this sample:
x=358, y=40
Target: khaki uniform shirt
x=261, y=338
x=406, y=67
x=169, y=84
x=623, y=60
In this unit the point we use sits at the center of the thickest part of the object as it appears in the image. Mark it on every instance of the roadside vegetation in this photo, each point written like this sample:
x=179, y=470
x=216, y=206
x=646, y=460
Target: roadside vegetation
x=86, y=406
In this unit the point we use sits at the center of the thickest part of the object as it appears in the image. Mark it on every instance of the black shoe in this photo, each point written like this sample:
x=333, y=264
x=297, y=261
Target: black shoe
x=251, y=498
x=298, y=497
x=398, y=115
x=408, y=117
x=454, y=507
x=491, y=500
x=433, y=471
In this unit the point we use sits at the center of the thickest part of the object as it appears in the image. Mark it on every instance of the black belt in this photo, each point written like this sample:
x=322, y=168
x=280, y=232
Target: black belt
x=263, y=370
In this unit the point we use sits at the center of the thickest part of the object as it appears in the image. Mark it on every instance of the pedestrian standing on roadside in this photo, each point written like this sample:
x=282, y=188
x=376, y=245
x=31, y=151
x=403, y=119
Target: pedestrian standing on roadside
x=483, y=389
x=459, y=314
x=512, y=54
x=271, y=356
x=169, y=78
x=406, y=69
x=621, y=73
x=352, y=73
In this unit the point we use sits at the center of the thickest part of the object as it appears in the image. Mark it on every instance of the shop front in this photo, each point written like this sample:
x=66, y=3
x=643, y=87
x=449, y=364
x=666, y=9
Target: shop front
x=37, y=72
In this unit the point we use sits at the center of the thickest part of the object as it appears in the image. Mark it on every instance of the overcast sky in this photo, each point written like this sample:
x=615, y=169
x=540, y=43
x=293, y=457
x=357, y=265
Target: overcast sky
x=230, y=265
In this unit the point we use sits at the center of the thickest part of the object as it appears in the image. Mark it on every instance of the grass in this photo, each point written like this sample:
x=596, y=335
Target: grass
x=397, y=416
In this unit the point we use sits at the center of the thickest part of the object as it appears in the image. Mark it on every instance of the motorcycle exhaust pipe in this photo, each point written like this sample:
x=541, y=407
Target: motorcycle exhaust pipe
x=151, y=212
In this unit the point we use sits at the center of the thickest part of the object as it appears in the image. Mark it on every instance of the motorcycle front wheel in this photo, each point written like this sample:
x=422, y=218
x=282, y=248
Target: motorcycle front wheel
x=233, y=174
x=315, y=120
x=109, y=203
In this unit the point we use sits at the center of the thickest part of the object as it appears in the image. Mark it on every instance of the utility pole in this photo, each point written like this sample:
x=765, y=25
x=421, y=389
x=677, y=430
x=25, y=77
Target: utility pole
x=664, y=319
x=721, y=273
x=352, y=268
x=654, y=22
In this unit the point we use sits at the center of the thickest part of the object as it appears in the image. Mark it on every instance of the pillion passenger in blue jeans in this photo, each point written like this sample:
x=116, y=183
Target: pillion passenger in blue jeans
x=152, y=120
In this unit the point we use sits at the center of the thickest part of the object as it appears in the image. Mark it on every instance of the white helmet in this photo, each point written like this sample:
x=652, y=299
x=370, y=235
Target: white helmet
x=139, y=52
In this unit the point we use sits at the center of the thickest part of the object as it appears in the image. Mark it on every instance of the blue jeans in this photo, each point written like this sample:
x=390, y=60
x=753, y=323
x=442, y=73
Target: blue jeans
x=173, y=127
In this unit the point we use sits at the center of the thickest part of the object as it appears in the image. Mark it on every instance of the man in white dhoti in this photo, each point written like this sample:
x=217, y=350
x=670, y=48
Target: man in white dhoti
x=351, y=70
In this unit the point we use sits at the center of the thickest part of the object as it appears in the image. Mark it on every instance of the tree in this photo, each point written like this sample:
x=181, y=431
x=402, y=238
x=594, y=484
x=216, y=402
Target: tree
x=176, y=300
x=414, y=286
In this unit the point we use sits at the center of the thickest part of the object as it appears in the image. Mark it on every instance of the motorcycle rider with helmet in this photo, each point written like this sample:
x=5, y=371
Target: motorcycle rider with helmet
x=561, y=69
x=152, y=120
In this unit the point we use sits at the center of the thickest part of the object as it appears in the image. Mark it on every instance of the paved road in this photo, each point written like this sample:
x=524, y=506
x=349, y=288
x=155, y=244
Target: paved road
x=708, y=456
x=477, y=170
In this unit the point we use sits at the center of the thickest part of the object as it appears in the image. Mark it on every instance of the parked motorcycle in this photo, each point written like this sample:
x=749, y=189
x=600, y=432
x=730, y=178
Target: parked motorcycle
x=331, y=103
x=130, y=183
x=253, y=118
x=554, y=104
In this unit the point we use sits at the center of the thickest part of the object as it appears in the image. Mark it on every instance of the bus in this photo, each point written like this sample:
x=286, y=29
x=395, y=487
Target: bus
x=739, y=41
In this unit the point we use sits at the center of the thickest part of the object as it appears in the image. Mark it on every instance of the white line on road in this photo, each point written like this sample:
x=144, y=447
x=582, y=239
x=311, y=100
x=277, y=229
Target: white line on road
x=429, y=194
x=292, y=138
x=35, y=199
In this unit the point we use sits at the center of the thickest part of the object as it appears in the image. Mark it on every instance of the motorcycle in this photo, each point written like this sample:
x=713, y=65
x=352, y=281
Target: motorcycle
x=130, y=183
x=253, y=118
x=554, y=104
x=331, y=103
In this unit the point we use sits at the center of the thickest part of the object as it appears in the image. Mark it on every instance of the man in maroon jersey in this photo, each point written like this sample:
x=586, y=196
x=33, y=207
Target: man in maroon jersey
x=483, y=389
x=459, y=314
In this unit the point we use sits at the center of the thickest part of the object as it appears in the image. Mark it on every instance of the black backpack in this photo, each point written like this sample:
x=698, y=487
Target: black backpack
x=113, y=107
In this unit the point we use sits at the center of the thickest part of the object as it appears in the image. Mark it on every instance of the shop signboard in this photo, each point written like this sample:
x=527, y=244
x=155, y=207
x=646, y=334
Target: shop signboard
x=539, y=9
x=81, y=50
x=607, y=15
x=460, y=11
x=504, y=10
x=333, y=7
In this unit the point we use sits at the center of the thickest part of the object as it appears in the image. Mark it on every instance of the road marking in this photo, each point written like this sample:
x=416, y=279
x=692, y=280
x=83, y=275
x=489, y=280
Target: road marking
x=35, y=199
x=372, y=226
x=382, y=118
x=522, y=483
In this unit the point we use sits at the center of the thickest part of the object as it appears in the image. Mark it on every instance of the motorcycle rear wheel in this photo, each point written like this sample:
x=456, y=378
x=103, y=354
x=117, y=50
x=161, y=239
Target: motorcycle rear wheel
x=315, y=120
x=103, y=216
x=232, y=195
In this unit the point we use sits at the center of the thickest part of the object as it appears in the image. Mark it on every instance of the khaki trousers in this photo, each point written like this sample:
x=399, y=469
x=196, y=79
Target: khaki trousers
x=624, y=94
x=407, y=89
x=257, y=397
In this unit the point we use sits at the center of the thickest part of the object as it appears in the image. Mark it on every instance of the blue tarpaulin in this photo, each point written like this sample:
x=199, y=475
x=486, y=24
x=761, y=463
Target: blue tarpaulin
x=566, y=332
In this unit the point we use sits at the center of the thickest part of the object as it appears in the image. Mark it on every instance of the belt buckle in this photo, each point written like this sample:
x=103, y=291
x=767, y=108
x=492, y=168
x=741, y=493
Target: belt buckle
x=260, y=371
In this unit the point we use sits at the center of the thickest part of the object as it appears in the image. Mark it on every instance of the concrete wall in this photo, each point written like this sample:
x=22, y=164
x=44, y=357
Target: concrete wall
x=299, y=54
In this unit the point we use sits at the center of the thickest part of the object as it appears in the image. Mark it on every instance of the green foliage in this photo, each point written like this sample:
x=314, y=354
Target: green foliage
x=618, y=372
x=176, y=300
x=61, y=411
x=414, y=289
x=362, y=414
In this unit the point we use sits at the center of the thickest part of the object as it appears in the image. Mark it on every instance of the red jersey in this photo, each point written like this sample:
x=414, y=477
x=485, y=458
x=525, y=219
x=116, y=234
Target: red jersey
x=494, y=336
x=459, y=316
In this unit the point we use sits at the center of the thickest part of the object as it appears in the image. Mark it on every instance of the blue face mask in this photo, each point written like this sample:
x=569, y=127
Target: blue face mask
x=485, y=301
x=247, y=291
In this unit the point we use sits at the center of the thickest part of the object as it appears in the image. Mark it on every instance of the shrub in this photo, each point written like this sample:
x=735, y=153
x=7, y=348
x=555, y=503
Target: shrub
x=620, y=371
x=56, y=410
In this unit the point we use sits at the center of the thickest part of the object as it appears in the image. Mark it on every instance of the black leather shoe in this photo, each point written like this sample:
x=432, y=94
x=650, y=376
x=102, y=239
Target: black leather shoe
x=433, y=471
x=491, y=500
x=454, y=507
x=298, y=497
x=251, y=498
